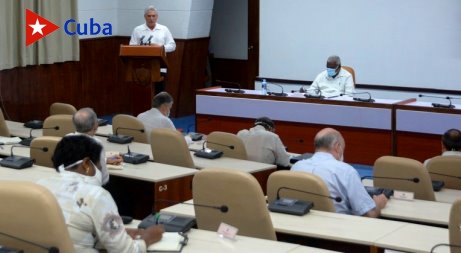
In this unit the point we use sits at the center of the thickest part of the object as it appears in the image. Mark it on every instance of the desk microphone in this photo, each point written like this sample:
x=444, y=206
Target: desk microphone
x=148, y=40
x=445, y=175
x=134, y=158
x=222, y=208
x=412, y=179
x=281, y=94
x=229, y=90
x=444, y=244
x=211, y=154
x=337, y=199
x=51, y=249
x=437, y=105
x=27, y=141
x=368, y=100
x=20, y=162
x=142, y=38
x=123, y=139
x=318, y=95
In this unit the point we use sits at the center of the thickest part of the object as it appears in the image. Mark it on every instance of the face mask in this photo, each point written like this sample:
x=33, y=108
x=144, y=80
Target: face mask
x=331, y=72
x=105, y=175
x=97, y=175
x=97, y=178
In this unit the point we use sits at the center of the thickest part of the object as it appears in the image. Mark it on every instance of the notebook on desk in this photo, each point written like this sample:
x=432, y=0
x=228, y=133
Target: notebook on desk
x=294, y=159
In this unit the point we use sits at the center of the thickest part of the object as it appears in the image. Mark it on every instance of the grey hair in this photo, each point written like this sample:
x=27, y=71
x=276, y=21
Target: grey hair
x=161, y=98
x=149, y=8
x=327, y=141
x=335, y=59
x=84, y=120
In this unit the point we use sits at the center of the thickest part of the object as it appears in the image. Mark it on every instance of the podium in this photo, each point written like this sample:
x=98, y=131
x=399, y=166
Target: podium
x=142, y=68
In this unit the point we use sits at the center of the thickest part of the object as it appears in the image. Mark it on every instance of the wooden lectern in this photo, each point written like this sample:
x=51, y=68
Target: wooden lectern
x=142, y=67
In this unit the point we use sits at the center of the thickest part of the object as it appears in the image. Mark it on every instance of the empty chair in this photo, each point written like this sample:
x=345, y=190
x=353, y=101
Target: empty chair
x=128, y=125
x=446, y=169
x=31, y=212
x=243, y=196
x=351, y=71
x=58, y=125
x=405, y=170
x=454, y=225
x=43, y=157
x=62, y=108
x=4, y=131
x=231, y=145
x=300, y=181
x=169, y=147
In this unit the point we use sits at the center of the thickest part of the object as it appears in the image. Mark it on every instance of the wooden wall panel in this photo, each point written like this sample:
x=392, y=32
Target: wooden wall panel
x=97, y=81
x=418, y=146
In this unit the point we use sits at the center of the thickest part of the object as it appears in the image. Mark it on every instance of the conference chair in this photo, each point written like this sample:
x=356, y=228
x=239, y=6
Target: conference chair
x=243, y=196
x=403, y=171
x=169, y=147
x=31, y=212
x=303, y=181
x=62, y=108
x=223, y=141
x=446, y=169
x=129, y=125
x=350, y=70
x=42, y=157
x=62, y=121
x=4, y=131
x=454, y=225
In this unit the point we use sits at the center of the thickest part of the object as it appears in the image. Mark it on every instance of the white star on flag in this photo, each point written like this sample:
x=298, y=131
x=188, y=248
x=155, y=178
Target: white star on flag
x=37, y=27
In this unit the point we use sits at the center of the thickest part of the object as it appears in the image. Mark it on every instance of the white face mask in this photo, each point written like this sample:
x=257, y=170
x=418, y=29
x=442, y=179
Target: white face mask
x=97, y=175
x=97, y=178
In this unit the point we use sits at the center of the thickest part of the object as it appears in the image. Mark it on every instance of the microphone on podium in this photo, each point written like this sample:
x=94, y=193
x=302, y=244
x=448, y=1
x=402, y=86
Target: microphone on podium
x=20, y=162
x=141, y=40
x=279, y=94
x=134, y=158
x=209, y=153
x=51, y=249
x=123, y=139
x=27, y=141
x=438, y=105
x=293, y=206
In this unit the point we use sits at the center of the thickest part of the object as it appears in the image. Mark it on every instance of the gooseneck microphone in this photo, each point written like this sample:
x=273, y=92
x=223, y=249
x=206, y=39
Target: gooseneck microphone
x=222, y=208
x=51, y=249
x=411, y=179
x=142, y=40
x=368, y=100
x=27, y=141
x=239, y=90
x=446, y=245
x=20, y=162
x=123, y=139
x=437, y=105
x=281, y=94
x=337, y=199
x=149, y=39
x=318, y=94
x=219, y=144
x=211, y=154
x=445, y=175
x=134, y=158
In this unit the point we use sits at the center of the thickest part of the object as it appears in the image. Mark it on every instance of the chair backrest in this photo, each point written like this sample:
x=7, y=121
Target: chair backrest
x=134, y=125
x=241, y=193
x=405, y=168
x=4, y=131
x=301, y=181
x=62, y=108
x=31, y=212
x=446, y=165
x=454, y=226
x=169, y=147
x=43, y=158
x=238, y=151
x=63, y=121
x=350, y=70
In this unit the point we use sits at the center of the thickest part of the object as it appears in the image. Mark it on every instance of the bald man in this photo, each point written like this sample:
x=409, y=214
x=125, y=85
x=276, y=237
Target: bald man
x=341, y=178
x=451, y=144
x=333, y=81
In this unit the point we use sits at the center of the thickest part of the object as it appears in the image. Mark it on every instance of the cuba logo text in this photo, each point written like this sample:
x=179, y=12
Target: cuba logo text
x=82, y=29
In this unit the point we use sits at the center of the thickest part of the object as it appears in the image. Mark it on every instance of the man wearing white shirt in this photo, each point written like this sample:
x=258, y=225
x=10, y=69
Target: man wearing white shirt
x=152, y=32
x=451, y=144
x=333, y=81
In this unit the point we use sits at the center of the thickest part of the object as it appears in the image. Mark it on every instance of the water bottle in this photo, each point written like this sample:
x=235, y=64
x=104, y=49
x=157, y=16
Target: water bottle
x=264, y=87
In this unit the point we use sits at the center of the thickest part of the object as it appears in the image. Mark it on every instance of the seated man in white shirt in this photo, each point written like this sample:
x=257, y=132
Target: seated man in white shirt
x=451, y=144
x=263, y=145
x=333, y=81
x=342, y=179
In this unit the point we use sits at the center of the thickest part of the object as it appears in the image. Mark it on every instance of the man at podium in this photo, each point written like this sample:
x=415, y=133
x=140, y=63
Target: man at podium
x=152, y=33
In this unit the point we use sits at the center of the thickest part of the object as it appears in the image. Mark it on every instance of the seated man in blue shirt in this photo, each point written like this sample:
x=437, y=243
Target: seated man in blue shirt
x=341, y=178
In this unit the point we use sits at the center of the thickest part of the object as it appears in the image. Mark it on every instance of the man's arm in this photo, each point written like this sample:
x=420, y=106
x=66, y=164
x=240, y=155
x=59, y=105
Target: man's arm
x=134, y=38
x=380, y=201
x=170, y=45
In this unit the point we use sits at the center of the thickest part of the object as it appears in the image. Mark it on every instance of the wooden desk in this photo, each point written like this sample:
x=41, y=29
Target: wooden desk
x=208, y=241
x=415, y=238
x=298, y=119
x=419, y=128
x=419, y=211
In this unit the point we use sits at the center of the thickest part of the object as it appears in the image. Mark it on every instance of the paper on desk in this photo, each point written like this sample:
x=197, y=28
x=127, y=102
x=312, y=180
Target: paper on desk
x=171, y=241
x=9, y=140
x=115, y=167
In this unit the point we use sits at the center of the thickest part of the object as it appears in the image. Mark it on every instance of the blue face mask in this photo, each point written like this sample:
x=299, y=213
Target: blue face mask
x=331, y=72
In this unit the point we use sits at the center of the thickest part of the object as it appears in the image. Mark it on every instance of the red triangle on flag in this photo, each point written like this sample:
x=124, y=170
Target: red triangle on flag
x=37, y=27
